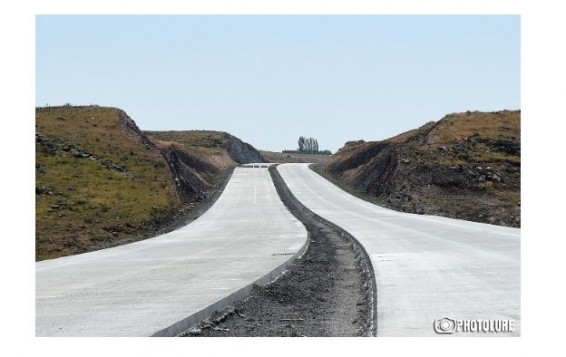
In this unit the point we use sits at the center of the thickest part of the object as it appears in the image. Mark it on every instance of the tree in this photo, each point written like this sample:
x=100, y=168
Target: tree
x=308, y=145
x=301, y=143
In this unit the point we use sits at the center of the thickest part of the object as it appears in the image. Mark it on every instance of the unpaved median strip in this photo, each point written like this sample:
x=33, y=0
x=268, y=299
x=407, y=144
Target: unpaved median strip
x=329, y=291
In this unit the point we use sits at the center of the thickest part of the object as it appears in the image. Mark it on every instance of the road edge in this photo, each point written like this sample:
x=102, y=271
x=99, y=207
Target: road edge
x=183, y=325
x=362, y=257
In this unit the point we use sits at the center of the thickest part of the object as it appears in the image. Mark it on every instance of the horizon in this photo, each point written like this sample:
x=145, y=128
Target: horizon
x=258, y=148
x=270, y=79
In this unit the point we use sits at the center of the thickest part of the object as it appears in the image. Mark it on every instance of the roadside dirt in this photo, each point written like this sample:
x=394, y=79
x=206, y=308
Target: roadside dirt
x=195, y=209
x=329, y=291
x=465, y=166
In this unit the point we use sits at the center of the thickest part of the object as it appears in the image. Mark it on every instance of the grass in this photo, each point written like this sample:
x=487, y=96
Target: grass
x=207, y=145
x=195, y=138
x=90, y=205
x=459, y=127
x=492, y=157
x=512, y=196
x=497, y=125
x=466, y=165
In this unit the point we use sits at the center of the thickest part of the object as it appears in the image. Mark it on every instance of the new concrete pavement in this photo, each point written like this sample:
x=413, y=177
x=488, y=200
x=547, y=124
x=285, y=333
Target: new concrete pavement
x=426, y=267
x=162, y=285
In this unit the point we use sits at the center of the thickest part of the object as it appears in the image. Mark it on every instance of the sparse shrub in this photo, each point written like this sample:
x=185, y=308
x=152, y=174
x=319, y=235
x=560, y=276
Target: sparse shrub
x=157, y=213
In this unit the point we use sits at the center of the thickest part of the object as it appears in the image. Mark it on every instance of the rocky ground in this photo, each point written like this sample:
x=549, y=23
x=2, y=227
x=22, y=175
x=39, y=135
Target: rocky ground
x=329, y=291
x=102, y=182
x=466, y=166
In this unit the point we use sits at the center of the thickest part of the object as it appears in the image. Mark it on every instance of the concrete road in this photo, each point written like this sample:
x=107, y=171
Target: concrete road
x=426, y=267
x=143, y=288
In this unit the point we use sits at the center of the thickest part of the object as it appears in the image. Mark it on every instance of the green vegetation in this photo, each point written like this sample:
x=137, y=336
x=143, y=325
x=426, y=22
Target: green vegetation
x=101, y=182
x=98, y=182
x=219, y=149
x=494, y=125
x=466, y=165
x=206, y=145
x=308, y=146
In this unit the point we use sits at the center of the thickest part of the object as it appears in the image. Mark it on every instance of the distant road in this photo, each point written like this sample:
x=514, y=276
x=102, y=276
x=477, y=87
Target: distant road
x=426, y=267
x=142, y=288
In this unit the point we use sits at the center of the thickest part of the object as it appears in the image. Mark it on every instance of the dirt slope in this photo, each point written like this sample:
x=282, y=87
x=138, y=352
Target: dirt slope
x=198, y=157
x=467, y=165
x=101, y=181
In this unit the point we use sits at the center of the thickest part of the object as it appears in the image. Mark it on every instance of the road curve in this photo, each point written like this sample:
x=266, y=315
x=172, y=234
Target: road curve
x=150, y=286
x=426, y=267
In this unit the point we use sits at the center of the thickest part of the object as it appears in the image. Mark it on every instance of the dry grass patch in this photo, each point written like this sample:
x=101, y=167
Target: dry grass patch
x=97, y=182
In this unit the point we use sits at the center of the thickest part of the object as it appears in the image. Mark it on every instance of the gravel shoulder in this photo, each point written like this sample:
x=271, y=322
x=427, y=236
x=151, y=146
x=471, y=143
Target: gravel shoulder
x=328, y=291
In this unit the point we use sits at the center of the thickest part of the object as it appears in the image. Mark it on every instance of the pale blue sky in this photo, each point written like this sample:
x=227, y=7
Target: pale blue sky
x=271, y=79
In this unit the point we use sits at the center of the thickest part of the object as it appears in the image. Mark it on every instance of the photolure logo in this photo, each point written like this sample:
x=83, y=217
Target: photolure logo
x=447, y=325
x=444, y=325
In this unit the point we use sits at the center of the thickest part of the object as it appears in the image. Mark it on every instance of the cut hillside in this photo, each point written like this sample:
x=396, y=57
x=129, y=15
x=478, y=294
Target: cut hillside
x=198, y=158
x=216, y=147
x=100, y=181
x=466, y=166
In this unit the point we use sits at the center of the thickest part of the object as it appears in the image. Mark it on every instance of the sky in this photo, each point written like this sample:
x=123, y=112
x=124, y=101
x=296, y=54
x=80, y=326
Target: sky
x=72, y=53
x=270, y=79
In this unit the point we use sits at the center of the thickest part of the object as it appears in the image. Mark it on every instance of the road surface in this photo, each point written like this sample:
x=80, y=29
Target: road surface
x=143, y=288
x=426, y=267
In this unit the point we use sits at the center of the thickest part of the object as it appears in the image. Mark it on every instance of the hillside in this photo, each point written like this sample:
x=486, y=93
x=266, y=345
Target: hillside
x=100, y=181
x=466, y=166
x=197, y=158
x=283, y=158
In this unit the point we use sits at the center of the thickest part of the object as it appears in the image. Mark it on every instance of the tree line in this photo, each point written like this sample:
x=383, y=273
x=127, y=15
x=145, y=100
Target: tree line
x=309, y=145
